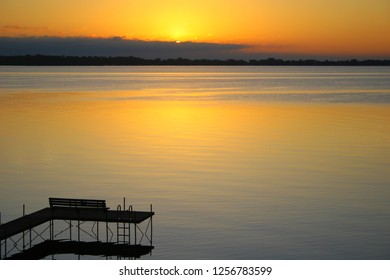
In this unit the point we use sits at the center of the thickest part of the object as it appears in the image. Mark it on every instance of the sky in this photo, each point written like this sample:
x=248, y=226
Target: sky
x=237, y=28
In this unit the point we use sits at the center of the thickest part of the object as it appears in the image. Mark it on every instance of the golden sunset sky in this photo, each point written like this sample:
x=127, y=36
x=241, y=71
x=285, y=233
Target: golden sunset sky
x=301, y=27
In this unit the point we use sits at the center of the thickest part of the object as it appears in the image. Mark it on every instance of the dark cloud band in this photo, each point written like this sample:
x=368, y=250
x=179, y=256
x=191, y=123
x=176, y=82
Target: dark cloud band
x=116, y=46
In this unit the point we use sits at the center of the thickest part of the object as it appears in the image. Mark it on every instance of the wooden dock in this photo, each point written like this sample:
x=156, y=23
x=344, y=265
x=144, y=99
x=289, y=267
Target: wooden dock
x=80, y=211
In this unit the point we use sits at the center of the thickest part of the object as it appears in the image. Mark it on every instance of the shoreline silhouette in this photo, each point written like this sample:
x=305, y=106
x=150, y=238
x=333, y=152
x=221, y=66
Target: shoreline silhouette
x=49, y=60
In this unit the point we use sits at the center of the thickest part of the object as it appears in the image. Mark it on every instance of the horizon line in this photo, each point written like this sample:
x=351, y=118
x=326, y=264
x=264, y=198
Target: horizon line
x=71, y=60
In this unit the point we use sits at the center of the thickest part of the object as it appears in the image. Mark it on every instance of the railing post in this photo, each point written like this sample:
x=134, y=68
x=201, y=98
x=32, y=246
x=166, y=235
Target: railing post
x=124, y=224
x=130, y=210
x=118, y=209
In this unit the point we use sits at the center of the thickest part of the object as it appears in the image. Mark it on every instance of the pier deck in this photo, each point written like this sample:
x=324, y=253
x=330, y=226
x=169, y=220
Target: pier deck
x=73, y=214
x=26, y=238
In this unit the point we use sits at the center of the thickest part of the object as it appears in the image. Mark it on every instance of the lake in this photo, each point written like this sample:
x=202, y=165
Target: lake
x=238, y=162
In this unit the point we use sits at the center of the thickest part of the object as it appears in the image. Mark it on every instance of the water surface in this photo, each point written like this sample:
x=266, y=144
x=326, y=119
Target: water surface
x=238, y=162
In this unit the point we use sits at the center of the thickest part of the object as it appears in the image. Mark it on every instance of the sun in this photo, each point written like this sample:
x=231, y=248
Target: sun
x=180, y=32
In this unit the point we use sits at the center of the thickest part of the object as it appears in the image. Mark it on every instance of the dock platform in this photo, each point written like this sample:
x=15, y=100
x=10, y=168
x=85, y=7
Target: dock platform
x=26, y=229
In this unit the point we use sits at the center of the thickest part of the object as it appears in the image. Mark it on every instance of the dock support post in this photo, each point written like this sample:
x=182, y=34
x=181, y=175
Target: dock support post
x=0, y=240
x=106, y=228
x=24, y=213
x=5, y=243
x=70, y=230
x=51, y=229
x=30, y=234
x=97, y=231
x=151, y=225
x=78, y=230
x=135, y=230
x=117, y=233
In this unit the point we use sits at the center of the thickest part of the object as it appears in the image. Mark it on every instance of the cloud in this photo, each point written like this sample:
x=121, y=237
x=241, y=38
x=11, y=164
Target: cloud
x=116, y=46
x=15, y=27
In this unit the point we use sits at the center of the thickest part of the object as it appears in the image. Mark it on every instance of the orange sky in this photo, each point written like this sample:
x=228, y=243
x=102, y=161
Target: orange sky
x=307, y=27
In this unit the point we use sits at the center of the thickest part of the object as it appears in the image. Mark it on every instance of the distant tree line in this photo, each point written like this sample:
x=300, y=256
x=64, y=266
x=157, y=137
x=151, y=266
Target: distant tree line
x=48, y=60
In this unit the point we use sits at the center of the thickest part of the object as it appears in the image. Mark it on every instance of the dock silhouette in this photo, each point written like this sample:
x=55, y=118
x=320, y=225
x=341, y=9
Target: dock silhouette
x=121, y=234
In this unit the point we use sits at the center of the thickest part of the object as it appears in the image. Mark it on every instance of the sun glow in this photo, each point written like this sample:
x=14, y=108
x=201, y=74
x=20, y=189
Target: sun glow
x=302, y=26
x=179, y=33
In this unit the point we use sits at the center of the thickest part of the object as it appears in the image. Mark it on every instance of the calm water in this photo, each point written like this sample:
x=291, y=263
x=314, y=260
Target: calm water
x=238, y=162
